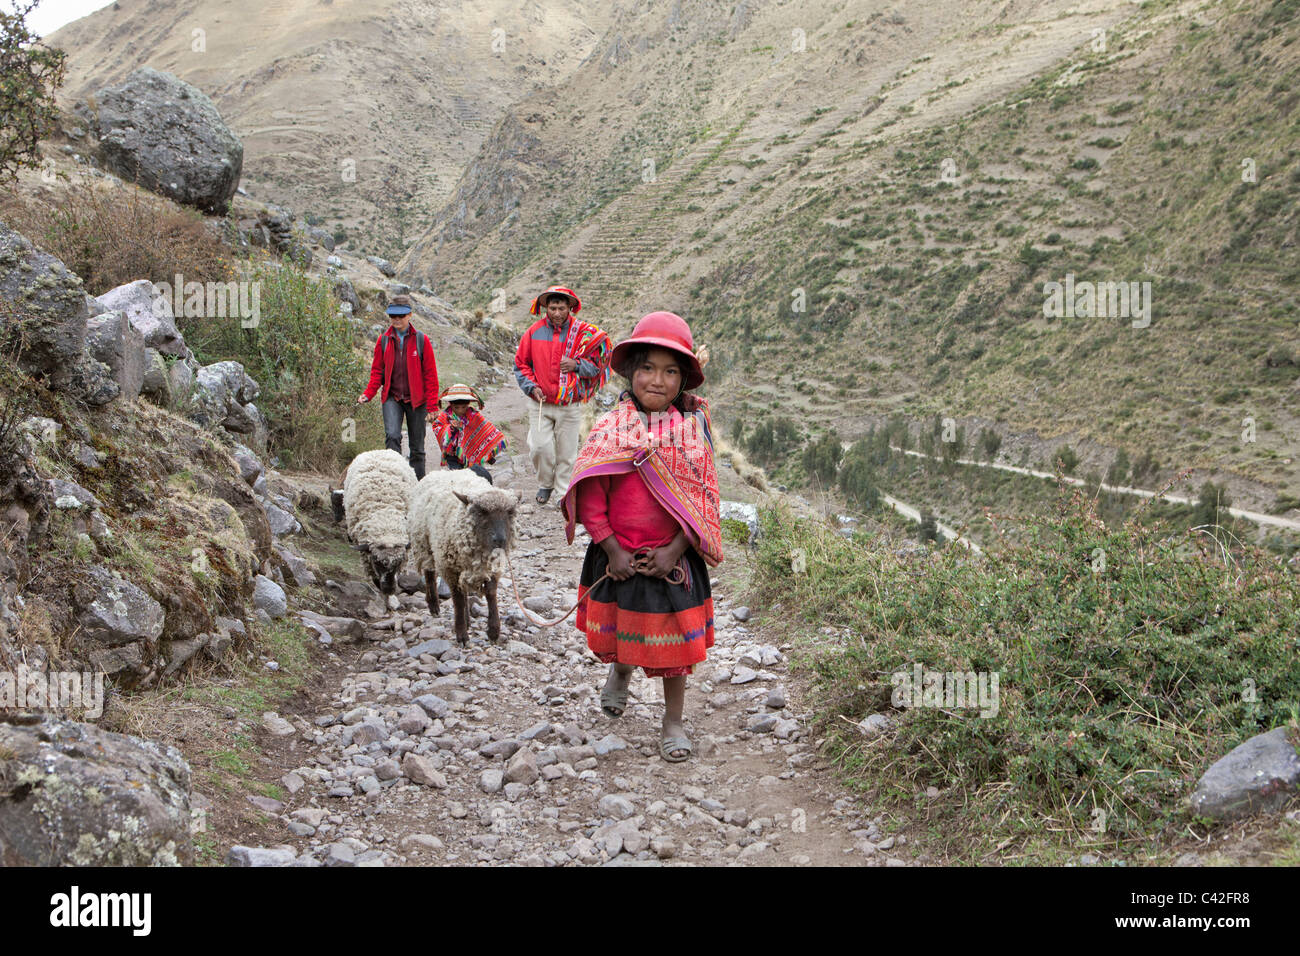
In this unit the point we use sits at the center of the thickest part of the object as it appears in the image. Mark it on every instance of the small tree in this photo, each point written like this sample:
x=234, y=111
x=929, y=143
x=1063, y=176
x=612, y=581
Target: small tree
x=1212, y=500
x=1067, y=458
x=990, y=441
x=856, y=477
x=1119, y=469
x=821, y=458
x=29, y=74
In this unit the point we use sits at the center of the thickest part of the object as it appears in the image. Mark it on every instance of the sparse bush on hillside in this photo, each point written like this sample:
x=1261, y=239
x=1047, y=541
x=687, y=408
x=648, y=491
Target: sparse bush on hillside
x=110, y=236
x=1211, y=503
x=990, y=442
x=30, y=72
x=771, y=442
x=1066, y=458
x=1119, y=468
x=857, y=476
x=821, y=458
x=1121, y=654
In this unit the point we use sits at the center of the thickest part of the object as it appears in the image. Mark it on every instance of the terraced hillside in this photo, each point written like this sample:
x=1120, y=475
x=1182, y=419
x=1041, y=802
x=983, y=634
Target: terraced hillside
x=901, y=192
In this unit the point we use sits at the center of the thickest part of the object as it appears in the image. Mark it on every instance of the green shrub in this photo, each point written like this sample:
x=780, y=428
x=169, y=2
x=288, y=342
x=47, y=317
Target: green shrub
x=735, y=530
x=821, y=458
x=305, y=356
x=1067, y=458
x=1122, y=657
x=30, y=72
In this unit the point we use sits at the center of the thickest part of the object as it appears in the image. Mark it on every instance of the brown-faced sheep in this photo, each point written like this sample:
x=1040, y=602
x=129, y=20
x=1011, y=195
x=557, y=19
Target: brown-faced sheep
x=460, y=528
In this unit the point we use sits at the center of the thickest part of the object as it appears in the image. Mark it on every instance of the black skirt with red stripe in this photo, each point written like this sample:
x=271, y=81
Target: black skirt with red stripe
x=648, y=622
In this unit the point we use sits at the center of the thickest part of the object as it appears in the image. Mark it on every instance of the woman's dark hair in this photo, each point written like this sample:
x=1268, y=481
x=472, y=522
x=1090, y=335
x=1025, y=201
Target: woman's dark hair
x=638, y=354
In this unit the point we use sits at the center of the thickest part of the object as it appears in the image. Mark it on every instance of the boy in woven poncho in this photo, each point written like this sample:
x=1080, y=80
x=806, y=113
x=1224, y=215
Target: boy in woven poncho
x=466, y=438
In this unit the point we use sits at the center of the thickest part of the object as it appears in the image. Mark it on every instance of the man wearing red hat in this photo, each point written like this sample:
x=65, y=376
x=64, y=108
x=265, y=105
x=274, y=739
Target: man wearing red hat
x=404, y=364
x=561, y=363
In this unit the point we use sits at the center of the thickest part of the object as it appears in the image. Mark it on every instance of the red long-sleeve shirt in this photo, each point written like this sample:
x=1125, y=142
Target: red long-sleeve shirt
x=537, y=360
x=421, y=378
x=623, y=506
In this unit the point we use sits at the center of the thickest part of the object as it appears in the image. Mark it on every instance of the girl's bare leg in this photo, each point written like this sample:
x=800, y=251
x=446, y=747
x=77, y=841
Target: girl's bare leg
x=674, y=703
x=619, y=676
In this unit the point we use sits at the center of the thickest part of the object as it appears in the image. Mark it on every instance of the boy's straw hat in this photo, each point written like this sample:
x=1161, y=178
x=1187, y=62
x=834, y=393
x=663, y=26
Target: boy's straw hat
x=460, y=393
x=667, y=331
x=575, y=304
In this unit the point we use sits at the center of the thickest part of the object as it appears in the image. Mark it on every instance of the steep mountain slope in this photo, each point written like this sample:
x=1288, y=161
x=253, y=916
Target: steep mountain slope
x=910, y=182
x=360, y=112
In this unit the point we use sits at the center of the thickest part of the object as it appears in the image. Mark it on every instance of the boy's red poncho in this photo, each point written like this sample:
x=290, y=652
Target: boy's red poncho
x=472, y=438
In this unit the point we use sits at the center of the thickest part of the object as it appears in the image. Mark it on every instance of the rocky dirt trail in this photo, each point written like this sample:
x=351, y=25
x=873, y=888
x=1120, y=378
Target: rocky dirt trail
x=419, y=752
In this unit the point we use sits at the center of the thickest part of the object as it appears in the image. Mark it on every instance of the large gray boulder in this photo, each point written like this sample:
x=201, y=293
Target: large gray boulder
x=269, y=597
x=162, y=132
x=74, y=795
x=111, y=339
x=1260, y=774
x=119, y=623
x=150, y=314
x=223, y=396
x=49, y=309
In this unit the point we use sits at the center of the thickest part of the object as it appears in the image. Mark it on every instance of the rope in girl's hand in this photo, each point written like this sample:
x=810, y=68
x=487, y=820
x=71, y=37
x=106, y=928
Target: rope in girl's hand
x=640, y=561
x=529, y=614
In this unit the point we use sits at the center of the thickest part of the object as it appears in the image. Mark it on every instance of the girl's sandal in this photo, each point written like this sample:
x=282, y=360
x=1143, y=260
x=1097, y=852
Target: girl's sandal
x=613, y=702
x=669, y=745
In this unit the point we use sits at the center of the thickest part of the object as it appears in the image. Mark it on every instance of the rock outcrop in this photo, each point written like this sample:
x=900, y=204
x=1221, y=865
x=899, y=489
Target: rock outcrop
x=74, y=795
x=50, y=310
x=162, y=132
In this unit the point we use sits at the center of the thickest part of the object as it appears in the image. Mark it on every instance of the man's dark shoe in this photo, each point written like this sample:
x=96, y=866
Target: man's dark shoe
x=543, y=495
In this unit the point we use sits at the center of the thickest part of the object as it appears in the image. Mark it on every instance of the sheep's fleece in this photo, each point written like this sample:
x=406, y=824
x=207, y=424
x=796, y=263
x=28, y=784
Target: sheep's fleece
x=443, y=533
x=377, y=491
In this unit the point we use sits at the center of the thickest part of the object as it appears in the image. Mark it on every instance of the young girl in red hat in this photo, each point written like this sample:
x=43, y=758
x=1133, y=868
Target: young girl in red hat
x=646, y=489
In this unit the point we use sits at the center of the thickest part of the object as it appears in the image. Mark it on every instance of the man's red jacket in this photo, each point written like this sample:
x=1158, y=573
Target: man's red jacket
x=537, y=360
x=422, y=381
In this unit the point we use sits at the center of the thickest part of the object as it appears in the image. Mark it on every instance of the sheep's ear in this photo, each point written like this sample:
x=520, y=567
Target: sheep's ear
x=463, y=498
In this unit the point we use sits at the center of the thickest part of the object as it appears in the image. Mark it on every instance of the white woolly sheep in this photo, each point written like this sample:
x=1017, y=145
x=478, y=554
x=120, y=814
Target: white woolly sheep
x=460, y=525
x=377, y=490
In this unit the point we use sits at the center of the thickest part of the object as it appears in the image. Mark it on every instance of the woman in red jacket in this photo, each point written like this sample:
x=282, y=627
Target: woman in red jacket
x=408, y=385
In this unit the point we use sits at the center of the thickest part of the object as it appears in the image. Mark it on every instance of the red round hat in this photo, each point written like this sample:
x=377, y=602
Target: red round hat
x=665, y=330
x=575, y=304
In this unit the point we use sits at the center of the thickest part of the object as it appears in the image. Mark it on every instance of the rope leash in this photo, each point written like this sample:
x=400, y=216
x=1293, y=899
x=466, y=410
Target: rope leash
x=639, y=563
